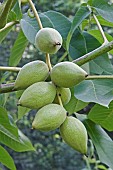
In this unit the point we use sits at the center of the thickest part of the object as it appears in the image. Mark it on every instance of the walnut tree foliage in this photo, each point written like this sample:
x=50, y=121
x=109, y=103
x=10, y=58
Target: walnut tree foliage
x=88, y=42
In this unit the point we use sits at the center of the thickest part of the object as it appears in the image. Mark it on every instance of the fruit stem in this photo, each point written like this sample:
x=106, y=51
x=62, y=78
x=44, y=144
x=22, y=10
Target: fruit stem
x=13, y=69
x=35, y=13
x=48, y=62
x=100, y=29
x=87, y=162
x=104, y=48
x=59, y=99
x=40, y=26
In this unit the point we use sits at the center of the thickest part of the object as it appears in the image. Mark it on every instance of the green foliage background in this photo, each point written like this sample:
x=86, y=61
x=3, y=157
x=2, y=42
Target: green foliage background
x=79, y=39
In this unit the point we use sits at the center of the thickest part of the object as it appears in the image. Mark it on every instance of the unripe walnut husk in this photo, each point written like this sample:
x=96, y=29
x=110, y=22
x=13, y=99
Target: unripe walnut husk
x=65, y=95
x=74, y=134
x=49, y=117
x=38, y=95
x=31, y=73
x=67, y=74
x=48, y=40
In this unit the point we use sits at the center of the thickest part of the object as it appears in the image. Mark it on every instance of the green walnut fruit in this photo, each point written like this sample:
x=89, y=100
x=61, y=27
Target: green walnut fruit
x=31, y=73
x=49, y=117
x=67, y=74
x=65, y=95
x=74, y=134
x=38, y=95
x=48, y=40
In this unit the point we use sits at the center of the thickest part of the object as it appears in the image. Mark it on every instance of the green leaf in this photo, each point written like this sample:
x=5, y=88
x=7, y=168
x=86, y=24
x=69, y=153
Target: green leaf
x=26, y=145
x=77, y=41
x=100, y=65
x=102, y=167
x=19, y=93
x=74, y=104
x=11, y=136
x=3, y=99
x=4, y=13
x=98, y=36
x=5, y=31
x=22, y=111
x=12, y=16
x=102, y=142
x=18, y=49
x=17, y=10
x=97, y=91
x=82, y=13
x=2, y=5
x=102, y=116
x=5, y=76
x=89, y=2
x=60, y=23
x=5, y=123
x=102, y=21
x=104, y=9
x=6, y=159
x=86, y=67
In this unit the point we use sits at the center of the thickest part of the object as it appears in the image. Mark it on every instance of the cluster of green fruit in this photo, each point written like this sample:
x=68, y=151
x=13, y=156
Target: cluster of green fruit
x=43, y=95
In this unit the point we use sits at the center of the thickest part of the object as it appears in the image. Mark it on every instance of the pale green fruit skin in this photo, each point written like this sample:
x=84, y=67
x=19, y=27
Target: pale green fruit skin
x=38, y=95
x=65, y=95
x=74, y=134
x=67, y=74
x=31, y=73
x=49, y=117
x=47, y=40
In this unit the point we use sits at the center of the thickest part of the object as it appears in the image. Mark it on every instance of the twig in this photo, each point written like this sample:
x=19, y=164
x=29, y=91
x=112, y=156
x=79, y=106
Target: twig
x=40, y=25
x=5, y=88
x=94, y=54
x=100, y=29
x=91, y=77
x=48, y=62
x=59, y=99
x=9, y=25
x=35, y=13
x=13, y=69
